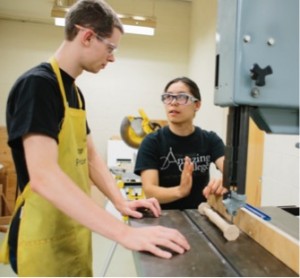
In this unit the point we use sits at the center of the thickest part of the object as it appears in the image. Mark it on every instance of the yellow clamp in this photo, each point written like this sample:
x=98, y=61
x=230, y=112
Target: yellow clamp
x=120, y=184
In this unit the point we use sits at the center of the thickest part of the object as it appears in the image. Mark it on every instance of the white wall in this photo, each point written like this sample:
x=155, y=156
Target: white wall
x=184, y=44
x=202, y=67
x=23, y=45
x=202, y=64
x=280, y=180
x=136, y=80
x=143, y=66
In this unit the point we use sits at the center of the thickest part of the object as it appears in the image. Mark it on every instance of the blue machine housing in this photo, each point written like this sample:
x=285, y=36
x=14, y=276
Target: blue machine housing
x=258, y=61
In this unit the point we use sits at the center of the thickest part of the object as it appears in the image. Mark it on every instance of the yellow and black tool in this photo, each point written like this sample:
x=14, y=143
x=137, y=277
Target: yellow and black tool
x=134, y=129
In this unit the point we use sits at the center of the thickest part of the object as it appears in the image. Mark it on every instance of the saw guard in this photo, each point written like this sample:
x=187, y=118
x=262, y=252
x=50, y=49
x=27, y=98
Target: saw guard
x=129, y=135
x=134, y=129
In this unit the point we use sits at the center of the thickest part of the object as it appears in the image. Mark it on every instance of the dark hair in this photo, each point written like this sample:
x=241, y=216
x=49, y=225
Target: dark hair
x=188, y=82
x=94, y=14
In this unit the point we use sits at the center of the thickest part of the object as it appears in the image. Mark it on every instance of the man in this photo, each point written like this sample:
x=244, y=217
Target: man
x=174, y=161
x=54, y=155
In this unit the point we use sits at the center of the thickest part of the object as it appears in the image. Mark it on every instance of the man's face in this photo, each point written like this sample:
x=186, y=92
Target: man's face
x=100, y=51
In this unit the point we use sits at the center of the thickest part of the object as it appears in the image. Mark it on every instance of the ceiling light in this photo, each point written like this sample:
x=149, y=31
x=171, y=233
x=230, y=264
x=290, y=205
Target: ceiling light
x=133, y=24
x=139, y=30
x=59, y=21
x=142, y=25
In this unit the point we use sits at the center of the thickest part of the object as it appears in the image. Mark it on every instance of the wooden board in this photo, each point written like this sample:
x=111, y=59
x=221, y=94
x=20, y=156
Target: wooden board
x=4, y=220
x=277, y=242
x=8, y=177
x=254, y=164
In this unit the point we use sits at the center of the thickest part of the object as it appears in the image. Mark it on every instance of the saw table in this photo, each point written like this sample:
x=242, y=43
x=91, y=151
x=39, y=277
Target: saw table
x=210, y=254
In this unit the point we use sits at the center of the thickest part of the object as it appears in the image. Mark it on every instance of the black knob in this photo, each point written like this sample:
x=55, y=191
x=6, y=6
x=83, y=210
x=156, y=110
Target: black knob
x=259, y=74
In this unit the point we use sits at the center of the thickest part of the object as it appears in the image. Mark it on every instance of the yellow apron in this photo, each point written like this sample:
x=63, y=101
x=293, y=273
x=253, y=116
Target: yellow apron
x=49, y=242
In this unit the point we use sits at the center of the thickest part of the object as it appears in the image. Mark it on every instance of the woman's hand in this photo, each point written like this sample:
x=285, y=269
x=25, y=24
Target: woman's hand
x=186, y=180
x=215, y=186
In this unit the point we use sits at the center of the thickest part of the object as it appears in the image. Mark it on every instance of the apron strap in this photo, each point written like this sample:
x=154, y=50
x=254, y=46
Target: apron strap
x=56, y=70
x=78, y=96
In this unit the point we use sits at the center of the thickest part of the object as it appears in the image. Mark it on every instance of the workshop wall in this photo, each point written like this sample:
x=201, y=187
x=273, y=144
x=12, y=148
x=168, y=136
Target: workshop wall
x=202, y=64
x=184, y=44
x=143, y=66
x=202, y=67
x=136, y=80
x=23, y=45
x=280, y=180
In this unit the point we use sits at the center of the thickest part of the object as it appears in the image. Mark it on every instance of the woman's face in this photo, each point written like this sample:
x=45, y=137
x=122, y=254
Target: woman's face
x=181, y=113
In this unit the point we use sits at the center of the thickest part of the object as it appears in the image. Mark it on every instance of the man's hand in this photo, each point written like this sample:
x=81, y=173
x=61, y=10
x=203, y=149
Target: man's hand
x=215, y=186
x=158, y=240
x=130, y=208
x=161, y=241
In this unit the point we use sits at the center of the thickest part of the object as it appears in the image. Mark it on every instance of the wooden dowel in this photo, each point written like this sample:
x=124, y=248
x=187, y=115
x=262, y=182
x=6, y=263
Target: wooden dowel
x=230, y=232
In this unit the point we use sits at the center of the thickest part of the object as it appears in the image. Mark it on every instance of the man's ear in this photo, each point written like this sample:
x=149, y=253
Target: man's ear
x=86, y=37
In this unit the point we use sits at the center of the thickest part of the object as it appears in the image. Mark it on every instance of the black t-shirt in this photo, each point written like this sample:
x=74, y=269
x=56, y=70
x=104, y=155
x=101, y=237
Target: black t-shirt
x=35, y=105
x=165, y=152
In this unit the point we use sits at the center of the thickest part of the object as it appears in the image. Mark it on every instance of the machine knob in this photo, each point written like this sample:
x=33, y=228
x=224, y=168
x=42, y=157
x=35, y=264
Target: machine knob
x=259, y=74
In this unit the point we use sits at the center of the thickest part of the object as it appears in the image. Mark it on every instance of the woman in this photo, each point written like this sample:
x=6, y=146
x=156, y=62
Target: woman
x=174, y=161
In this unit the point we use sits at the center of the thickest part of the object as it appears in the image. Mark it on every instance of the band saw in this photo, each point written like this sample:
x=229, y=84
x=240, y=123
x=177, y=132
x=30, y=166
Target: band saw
x=257, y=77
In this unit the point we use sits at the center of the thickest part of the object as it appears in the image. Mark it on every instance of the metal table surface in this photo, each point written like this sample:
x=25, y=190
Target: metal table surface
x=210, y=255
